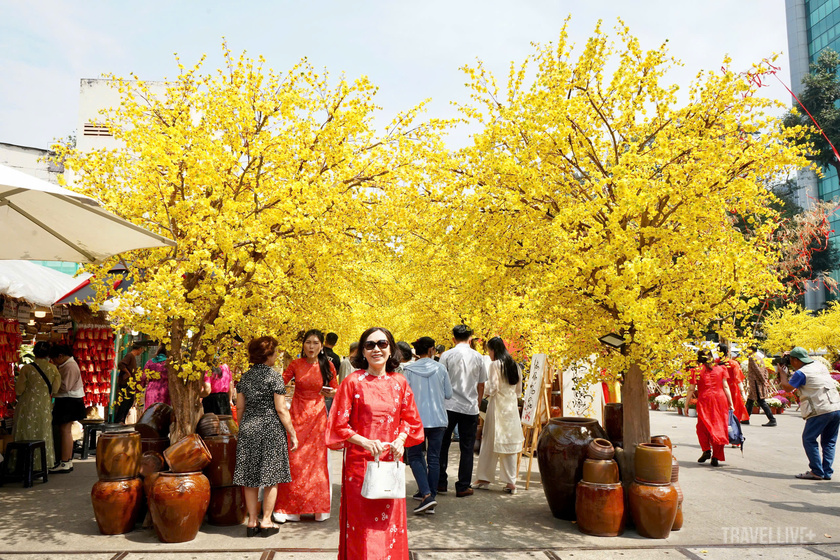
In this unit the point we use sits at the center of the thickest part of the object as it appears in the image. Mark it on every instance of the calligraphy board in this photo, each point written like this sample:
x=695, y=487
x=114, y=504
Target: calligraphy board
x=534, y=389
x=579, y=397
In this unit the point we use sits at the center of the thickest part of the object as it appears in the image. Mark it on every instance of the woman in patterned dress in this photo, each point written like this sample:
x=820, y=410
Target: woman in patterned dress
x=309, y=490
x=262, y=458
x=373, y=414
x=33, y=413
x=157, y=382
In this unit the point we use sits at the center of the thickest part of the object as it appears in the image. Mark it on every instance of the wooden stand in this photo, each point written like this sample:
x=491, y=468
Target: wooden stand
x=541, y=418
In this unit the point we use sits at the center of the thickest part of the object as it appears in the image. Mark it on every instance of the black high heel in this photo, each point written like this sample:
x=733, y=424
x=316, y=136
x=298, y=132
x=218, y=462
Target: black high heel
x=253, y=531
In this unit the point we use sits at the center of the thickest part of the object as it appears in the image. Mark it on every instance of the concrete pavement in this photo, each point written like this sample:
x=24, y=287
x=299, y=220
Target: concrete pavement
x=750, y=508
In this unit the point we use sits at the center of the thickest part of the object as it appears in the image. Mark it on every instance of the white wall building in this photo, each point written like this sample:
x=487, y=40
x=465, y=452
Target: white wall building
x=32, y=161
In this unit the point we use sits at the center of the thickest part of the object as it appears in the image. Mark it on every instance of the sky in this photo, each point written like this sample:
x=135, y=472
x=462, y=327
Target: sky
x=411, y=50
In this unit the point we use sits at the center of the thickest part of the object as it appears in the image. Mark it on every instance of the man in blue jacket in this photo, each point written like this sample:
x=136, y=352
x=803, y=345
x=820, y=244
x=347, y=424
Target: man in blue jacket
x=430, y=383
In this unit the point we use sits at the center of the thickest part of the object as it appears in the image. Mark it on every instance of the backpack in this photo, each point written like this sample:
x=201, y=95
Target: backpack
x=736, y=436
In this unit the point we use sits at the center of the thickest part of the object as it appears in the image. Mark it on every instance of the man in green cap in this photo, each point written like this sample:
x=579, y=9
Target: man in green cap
x=820, y=407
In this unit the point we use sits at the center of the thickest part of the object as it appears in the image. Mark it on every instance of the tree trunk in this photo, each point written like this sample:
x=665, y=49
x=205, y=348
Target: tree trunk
x=636, y=418
x=184, y=395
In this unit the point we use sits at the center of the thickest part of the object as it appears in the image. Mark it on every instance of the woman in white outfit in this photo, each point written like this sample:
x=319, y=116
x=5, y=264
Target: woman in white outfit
x=502, y=437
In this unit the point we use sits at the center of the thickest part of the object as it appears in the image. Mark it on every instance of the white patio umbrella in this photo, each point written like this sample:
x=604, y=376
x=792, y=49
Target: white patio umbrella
x=41, y=221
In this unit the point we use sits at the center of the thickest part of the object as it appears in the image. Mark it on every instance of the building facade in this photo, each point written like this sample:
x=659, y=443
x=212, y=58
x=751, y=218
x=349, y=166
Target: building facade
x=812, y=26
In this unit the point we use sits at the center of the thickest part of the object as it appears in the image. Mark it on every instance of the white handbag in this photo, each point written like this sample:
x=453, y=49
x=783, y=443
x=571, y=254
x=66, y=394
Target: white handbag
x=384, y=480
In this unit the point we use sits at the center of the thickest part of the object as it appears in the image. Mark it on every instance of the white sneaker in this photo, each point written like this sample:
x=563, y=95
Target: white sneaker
x=322, y=516
x=63, y=467
x=279, y=518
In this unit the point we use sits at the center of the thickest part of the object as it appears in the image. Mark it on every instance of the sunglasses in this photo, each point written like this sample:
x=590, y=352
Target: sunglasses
x=371, y=344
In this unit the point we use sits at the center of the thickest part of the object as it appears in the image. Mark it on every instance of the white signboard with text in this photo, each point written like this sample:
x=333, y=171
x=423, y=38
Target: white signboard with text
x=579, y=397
x=533, y=392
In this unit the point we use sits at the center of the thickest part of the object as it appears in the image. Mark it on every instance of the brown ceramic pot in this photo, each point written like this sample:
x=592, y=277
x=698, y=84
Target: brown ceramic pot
x=678, y=520
x=653, y=463
x=663, y=439
x=188, y=455
x=614, y=423
x=227, y=425
x=556, y=412
x=223, y=462
x=654, y=508
x=227, y=506
x=600, y=471
x=600, y=509
x=178, y=502
x=155, y=421
x=600, y=448
x=116, y=504
x=675, y=469
x=208, y=425
x=158, y=444
x=561, y=451
x=118, y=455
x=151, y=462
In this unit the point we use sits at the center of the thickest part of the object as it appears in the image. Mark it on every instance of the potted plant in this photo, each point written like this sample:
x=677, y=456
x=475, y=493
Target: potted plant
x=664, y=401
x=692, y=407
x=652, y=401
x=680, y=405
x=775, y=404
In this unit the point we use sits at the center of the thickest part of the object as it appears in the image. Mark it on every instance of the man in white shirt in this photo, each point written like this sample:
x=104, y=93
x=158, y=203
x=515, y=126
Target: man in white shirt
x=467, y=375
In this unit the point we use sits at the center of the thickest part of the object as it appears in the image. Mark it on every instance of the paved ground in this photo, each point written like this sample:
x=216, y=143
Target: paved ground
x=751, y=508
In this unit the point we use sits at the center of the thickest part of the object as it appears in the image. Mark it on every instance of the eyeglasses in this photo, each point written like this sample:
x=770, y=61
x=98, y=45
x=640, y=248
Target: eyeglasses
x=371, y=344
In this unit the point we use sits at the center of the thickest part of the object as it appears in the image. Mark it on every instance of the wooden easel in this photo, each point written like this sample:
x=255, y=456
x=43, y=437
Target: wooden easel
x=541, y=417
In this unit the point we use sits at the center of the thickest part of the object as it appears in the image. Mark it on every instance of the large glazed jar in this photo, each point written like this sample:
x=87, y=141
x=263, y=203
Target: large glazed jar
x=188, y=455
x=155, y=421
x=223, y=462
x=208, y=425
x=600, y=509
x=653, y=463
x=178, y=502
x=561, y=451
x=116, y=504
x=227, y=425
x=663, y=439
x=118, y=455
x=654, y=508
x=614, y=423
x=227, y=506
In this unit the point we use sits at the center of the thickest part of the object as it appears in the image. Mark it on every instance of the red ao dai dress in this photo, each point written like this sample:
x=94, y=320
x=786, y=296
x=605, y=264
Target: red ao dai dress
x=309, y=490
x=376, y=408
x=712, y=409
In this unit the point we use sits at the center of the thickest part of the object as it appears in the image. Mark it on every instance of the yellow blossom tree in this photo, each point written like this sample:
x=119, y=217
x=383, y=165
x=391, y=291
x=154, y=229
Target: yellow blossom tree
x=273, y=185
x=595, y=201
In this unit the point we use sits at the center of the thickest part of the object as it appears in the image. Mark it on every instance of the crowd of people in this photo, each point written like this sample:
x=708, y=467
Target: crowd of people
x=390, y=400
x=717, y=385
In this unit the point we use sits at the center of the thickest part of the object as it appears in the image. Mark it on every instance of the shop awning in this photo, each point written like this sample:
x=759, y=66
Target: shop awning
x=35, y=283
x=41, y=221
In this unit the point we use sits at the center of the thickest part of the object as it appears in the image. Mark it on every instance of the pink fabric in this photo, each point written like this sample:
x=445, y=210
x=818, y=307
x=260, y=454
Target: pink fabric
x=219, y=384
x=157, y=390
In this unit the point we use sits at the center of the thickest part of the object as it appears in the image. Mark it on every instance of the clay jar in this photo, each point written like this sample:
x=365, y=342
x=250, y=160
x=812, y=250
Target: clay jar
x=654, y=508
x=675, y=470
x=155, y=421
x=600, y=448
x=227, y=506
x=600, y=471
x=223, y=452
x=561, y=451
x=227, y=425
x=663, y=439
x=151, y=462
x=116, y=504
x=653, y=463
x=178, y=502
x=208, y=425
x=600, y=509
x=614, y=423
x=118, y=455
x=190, y=455
x=158, y=444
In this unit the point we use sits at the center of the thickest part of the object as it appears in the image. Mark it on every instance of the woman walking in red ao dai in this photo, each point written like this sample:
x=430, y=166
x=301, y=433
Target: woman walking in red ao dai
x=714, y=401
x=373, y=414
x=309, y=490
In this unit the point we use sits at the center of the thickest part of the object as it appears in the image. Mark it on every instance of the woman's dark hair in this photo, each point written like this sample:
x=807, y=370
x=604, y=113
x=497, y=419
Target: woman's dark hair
x=359, y=361
x=405, y=350
x=323, y=360
x=704, y=356
x=500, y=353
x=259, y=349
x=60, y=350
x=42, y=349
x=161, y=350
